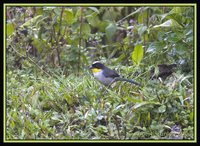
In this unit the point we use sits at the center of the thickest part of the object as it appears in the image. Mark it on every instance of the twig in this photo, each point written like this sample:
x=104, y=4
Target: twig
x=80, y=40
x=58, y=38
x=130, y=15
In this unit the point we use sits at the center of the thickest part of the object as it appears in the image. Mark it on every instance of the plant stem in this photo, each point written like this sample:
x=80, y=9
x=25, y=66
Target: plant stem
x=80, y=40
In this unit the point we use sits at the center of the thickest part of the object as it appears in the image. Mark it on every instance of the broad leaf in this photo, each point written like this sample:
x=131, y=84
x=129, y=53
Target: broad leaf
x=93, y=20
x=137, y=54
x=142, y=29
x=169, y=23
x=69, y=17
x=94, y=9
x=10, y=29
x=86, y=28
x=32, y=21
x=162, y=109
x=111, y=30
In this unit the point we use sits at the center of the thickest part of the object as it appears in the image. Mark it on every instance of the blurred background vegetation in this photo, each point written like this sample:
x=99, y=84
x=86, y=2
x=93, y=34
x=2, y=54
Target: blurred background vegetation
x=49, y=50
x=71, y=38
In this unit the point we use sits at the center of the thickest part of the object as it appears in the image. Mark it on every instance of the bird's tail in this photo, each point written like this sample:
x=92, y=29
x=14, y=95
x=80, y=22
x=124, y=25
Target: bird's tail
x=127, y=80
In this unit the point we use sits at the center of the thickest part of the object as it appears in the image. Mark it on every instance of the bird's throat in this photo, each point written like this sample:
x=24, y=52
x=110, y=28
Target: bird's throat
x=96, y=70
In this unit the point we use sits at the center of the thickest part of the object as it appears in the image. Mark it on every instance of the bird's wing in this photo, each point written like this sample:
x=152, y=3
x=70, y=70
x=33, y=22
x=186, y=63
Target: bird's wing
x=110, y=73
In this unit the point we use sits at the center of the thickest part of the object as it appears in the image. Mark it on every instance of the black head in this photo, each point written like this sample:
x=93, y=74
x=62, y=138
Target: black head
x=97, y=65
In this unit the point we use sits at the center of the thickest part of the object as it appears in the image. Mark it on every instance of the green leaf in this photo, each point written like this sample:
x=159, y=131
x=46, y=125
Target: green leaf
x=102, y=129
x=93, y=20
x=39, y=44
x=142, y=16
x=57, y=11
x=137, y=54
x=110, y=30
x=178, y=10
x=141, y=30
x=162, y=109
x=32, y=21
x=102, y=26
x=12, y=124
x=10, y=29
x=40, y=33
x=69, y=16
x=169, y=23
x=86, y=28
x=94, y=9
x=148, y=117
x=138, y=105
x=68, y=98
x=120, y=58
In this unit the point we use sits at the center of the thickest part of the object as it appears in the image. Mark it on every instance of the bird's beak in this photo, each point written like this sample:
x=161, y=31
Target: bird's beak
x=91, y=67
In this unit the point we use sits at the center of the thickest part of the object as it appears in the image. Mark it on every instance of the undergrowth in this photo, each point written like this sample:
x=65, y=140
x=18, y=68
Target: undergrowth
x=80, y=108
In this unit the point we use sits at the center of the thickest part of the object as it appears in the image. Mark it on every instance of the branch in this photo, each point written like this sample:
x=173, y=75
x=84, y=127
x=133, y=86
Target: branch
x=137, y=11
x=80, y=40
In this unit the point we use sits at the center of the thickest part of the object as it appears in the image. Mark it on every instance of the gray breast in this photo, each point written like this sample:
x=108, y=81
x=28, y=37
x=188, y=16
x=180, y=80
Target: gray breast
x=101, y=78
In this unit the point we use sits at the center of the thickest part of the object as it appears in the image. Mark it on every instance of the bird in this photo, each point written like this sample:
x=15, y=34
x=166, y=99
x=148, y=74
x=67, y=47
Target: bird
x=107, y=76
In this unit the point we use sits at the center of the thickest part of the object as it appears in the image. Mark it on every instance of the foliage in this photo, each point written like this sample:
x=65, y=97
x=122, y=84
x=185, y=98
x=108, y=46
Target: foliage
x=52, y=95
x=43, y=108
x=71, y=37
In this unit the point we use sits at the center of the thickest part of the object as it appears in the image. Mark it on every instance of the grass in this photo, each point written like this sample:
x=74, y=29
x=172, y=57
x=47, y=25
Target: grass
x=79, y=108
